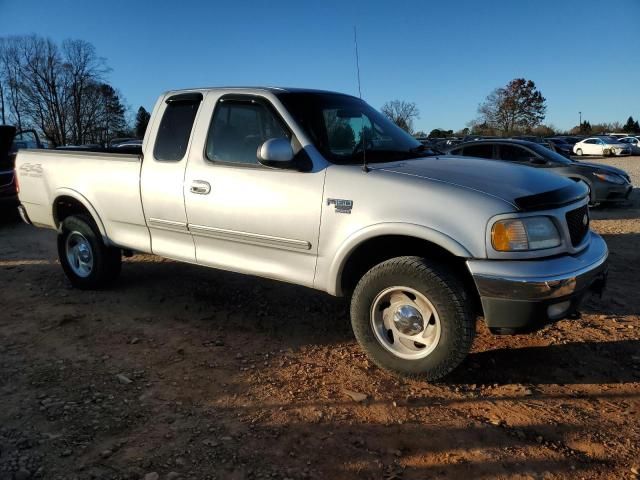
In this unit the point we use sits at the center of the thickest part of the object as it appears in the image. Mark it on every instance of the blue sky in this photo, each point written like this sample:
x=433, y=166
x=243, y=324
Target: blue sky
x=584, y=55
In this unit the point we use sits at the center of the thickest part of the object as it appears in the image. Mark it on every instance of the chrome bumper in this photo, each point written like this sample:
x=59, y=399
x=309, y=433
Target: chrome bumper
x=517, y=293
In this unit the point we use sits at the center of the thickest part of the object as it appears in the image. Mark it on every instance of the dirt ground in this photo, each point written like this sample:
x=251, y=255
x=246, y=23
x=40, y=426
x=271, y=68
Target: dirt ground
x=185, y=372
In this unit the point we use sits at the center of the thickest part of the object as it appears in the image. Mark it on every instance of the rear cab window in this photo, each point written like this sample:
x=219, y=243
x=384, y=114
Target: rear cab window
x=175, y=128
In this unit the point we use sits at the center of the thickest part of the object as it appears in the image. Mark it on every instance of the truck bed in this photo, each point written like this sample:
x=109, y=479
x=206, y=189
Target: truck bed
x=108, y=183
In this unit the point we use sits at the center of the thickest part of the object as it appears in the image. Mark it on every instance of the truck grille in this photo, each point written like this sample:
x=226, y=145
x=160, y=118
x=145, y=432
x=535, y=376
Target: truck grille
x=578, y=228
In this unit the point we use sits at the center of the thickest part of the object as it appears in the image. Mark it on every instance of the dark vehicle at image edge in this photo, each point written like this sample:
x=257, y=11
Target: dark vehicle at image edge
x=606, y=183
x=8, y=194
x=10, y=141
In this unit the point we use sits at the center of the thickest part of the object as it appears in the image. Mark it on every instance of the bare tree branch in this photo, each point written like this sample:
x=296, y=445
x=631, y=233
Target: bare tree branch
x=401, y=113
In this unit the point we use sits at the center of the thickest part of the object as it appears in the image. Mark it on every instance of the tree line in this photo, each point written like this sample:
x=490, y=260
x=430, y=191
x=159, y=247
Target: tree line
x=61, y=91
x=518, y=108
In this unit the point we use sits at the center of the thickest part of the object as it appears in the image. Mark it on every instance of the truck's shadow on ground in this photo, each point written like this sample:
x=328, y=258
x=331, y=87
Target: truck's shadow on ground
x=566, y=363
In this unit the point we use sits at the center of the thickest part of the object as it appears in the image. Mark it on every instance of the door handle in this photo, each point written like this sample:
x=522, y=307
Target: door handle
x=200, y=187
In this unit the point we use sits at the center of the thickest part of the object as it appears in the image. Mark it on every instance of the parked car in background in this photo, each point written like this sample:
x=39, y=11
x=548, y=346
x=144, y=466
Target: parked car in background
x=134, y=143
x=131, y=146
x=617, y=135
x=634, y=144
x=561, y=146
x=603, y=146
x=114, y=142
x=571, y=140
x=440, y=144
x=539, y=140
x=87, y=147
x=606, y=183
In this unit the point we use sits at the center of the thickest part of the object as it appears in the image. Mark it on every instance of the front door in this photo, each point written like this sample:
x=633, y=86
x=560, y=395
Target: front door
x=244, y=216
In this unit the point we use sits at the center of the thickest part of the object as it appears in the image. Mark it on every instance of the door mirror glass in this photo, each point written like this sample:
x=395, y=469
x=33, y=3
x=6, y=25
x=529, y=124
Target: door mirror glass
x=276, y=152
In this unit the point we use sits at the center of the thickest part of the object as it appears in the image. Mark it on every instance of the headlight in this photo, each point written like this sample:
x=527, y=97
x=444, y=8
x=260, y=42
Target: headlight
x=610, y=177
x=521, y=234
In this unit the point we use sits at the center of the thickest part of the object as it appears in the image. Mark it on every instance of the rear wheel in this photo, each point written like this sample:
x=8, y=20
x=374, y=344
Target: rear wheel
x=85, y=259
x=413, y=317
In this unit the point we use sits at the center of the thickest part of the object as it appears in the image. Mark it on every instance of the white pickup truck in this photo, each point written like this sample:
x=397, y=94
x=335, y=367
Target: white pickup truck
x=319, y=189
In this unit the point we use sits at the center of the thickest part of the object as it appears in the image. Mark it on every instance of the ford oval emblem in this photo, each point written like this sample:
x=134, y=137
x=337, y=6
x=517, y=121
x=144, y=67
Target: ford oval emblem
x=585, y=220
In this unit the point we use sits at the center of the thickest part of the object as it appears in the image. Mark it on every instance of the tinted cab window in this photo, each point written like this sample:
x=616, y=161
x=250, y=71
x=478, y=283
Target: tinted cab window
x=238, y=128
x=175, y=127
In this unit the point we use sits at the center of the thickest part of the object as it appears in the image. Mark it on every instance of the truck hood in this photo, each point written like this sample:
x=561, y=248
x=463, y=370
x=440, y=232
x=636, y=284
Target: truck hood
x=524, y=187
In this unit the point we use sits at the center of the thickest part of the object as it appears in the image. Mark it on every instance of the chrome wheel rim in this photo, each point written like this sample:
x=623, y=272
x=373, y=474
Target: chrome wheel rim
x=79, y=254
x=405, y=323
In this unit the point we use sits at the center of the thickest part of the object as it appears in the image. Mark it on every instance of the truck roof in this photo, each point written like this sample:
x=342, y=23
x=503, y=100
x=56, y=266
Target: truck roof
x=248, y=89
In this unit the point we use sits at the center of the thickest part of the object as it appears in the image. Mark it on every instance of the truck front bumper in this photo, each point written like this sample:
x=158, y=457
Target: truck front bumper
x=525, y=294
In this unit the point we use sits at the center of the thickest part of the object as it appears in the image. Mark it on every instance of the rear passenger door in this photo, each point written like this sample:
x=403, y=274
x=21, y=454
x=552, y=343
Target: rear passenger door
x=162, y=176
x=244, y=216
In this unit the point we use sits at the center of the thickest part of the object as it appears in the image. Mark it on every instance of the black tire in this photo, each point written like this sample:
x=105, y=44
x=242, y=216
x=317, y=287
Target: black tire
x=445, y=292
x=106, y=261
x=579, y=152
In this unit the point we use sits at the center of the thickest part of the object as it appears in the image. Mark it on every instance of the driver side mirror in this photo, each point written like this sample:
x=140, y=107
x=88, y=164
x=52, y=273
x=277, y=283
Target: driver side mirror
x=276, y=152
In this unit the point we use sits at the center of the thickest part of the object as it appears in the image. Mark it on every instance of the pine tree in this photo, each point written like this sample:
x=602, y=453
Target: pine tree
x=114, y=122
x=142, y=120
x=630, y=126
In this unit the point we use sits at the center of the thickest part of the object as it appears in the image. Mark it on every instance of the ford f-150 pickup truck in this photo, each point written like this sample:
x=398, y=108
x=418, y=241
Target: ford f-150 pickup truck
x=319, y=189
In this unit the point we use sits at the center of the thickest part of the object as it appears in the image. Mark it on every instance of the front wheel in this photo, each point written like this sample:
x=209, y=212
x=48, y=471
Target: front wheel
x=579, y=152
x=413, y=317
x=88, y=263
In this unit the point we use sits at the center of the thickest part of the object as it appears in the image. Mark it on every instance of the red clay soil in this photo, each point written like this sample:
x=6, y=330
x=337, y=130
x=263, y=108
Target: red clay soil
x=185, y=372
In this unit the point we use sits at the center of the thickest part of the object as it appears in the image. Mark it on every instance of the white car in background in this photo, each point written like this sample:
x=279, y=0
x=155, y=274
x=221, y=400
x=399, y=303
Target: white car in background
x=633, y=142
x=601, y=146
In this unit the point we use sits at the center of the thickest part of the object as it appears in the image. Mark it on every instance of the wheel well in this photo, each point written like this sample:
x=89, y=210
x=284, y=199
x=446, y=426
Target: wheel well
x=378, y=249
x=66, y=206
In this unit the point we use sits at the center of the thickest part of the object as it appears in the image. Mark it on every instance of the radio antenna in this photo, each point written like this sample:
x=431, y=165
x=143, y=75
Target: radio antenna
x=365, y=168
x=355, y=41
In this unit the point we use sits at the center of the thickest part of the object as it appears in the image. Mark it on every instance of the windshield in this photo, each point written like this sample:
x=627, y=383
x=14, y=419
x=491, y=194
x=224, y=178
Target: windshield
x=549, y=154
x=345, y=129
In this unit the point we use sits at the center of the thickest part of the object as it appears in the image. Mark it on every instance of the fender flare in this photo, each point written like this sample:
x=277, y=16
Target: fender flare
x=354, y=240
x=68, y=192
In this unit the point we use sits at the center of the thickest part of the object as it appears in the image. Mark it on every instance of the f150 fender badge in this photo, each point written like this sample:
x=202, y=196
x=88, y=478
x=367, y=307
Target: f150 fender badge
x=342, y=206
